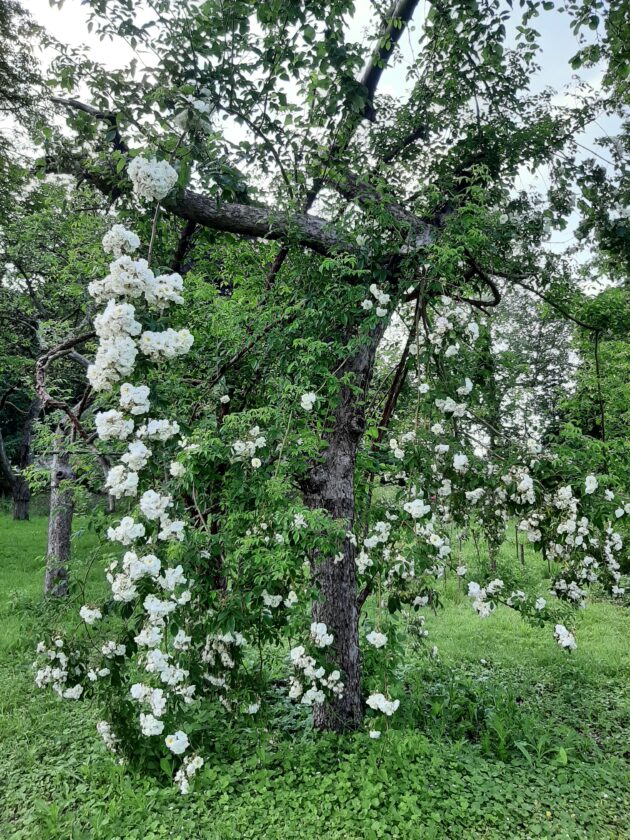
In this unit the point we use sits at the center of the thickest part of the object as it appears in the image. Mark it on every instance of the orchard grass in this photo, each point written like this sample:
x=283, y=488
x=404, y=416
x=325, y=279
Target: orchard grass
x=503, y=736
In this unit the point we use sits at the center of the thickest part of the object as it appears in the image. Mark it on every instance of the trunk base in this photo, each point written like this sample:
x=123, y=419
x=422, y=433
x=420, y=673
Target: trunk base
x=21, y=499
x=338, y=610
x=59, y=527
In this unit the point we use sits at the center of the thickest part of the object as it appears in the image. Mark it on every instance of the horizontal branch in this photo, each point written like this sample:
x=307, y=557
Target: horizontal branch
x=244, y=219
x=367, y=196
x=106, y=116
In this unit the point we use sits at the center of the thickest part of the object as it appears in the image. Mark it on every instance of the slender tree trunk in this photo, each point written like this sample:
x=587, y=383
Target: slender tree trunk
x=20, y=490
x=59, y=525
x=330, y=486
x=21, y=498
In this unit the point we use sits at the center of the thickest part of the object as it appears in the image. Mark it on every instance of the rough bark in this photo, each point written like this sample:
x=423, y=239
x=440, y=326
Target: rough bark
x=21, y=495
x=244, y=219
x=330, y=486
x=183, y=247
x=59, y=526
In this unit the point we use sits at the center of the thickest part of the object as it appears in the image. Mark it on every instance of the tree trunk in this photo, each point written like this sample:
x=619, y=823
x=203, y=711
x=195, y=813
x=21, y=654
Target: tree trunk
x=330, y=485
x=59, y=526
x=21, y=497
x=20, y=490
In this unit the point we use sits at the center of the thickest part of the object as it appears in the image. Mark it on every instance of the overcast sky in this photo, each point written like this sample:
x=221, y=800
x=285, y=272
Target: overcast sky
x=69, y=24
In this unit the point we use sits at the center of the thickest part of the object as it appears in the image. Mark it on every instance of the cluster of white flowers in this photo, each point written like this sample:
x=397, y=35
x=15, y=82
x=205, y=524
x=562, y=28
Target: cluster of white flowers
x=299, y=521
x=571, y=590
x=274, y=601
x=466, y=388
x=382, y=299
x=166, y=344
x=271, y=601
x=475, y=496
x=246, y=449
x=307, y=401
x=177, y=469
x=117, y=319
x=460, y=462
x=90, y=615
x=112, y=425
x=127, y=278
x=138, y=567
x=480, y=596
x=380, y=703
x=113, y=649
x=135, y=400
x=161, y=430
x=157, y=662
x=164, y=290
x=417, y=508
x=164, y=589
x=137, y=455
x=621, y=510
x=116, y=325
x=379, y=536
x=114, y=360
x=530, y=525
x=564, y=638
x=320, y=635
x=520, y=480
x=449, y=406
x=590, y=485
x=154, y=505
x=127, y=531
x=57, y=670
x=440, y=543
x=454, y=316
x=515, y=597
x=310, y=672
x=121, y=482
x=133, y=279
x=106, y=732
x=119, y=240
x=177, y=742
x=189, y=768
x=397, y=450
x=152, y=179
x=613, y=545
x=577, y=543
x=376, y=639
x=155, y=699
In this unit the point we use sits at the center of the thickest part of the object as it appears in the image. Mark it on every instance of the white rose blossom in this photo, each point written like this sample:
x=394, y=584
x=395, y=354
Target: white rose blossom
x=152, y=179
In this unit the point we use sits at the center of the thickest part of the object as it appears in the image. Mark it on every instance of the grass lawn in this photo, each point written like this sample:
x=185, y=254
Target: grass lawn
x=505, y=736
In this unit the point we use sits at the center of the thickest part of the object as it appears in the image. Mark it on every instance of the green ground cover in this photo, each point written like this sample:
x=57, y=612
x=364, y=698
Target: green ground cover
x=504, y=736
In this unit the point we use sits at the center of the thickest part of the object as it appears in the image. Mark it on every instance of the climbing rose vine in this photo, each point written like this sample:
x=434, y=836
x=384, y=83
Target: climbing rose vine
x=158, y=646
